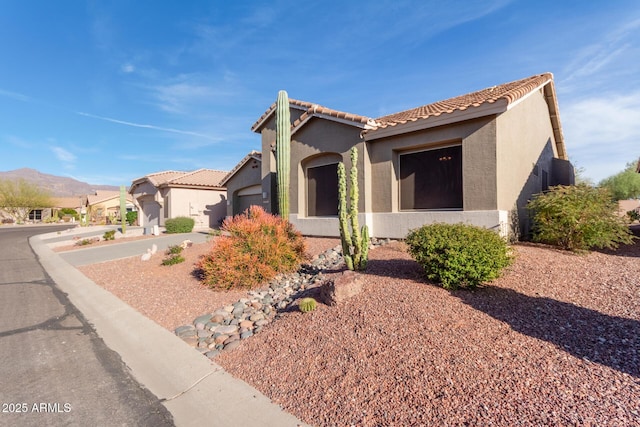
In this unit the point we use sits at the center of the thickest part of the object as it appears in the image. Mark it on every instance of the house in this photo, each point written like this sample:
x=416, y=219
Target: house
x=170, y=194
x=244, y=184
x=104, y=206
x=475, y=158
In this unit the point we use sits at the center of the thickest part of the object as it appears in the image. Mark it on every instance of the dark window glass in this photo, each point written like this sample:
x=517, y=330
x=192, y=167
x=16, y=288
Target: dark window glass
x=322, y=190
x=431, y=179
x=35, y=215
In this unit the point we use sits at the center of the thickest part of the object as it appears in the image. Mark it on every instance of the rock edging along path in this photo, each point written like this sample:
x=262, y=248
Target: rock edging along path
x=223, y=329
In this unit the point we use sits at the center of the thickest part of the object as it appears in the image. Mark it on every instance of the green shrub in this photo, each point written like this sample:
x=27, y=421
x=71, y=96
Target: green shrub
x=181, y=224
x=307, y=304
x=70, y=212
x=173, y=259
x=85, y=242
x=174, y=250
x=109, y=235
x=258, y=247
x=458, y=254
x=633, y=215
x=578, y=218
x=131, y=217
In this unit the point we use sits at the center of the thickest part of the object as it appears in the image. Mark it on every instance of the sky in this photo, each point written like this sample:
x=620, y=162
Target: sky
x=109, y=91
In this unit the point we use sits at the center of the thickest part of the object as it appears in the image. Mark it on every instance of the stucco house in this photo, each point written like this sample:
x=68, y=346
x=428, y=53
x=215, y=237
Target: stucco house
x=475, y=158
x=169, y=194
x=104, y=205
x=244, y=184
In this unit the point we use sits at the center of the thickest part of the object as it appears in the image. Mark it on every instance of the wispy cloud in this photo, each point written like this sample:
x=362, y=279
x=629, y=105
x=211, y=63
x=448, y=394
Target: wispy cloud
x=18, y=142
x=602, y=132
x=64, y=156
x=14, y=95
x=152, y=127
x=127, y=68
x=611, y=47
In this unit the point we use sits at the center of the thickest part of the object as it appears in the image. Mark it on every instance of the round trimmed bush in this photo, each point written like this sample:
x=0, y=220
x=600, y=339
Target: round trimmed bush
x=459, y=254
x=181, y=224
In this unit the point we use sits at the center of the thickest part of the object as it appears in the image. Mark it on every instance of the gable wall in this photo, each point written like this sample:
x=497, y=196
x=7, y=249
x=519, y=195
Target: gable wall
x=525, y=140
x=206, y=207
x=478, y=162
x=310, y=144
x=247, y=176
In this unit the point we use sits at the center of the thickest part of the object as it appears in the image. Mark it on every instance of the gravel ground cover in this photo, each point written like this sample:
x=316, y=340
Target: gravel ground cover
x=555, y=341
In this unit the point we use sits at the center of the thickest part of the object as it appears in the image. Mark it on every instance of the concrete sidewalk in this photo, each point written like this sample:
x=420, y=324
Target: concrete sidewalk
x=194, y=389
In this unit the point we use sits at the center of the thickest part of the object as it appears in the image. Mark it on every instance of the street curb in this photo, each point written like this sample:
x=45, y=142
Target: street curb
x=194, y=389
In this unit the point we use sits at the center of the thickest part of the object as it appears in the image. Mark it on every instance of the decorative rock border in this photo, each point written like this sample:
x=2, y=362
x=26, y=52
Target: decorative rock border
x=227, y=326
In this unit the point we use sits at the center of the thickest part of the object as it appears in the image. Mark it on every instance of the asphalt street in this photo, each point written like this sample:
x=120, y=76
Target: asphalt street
x=55, y=370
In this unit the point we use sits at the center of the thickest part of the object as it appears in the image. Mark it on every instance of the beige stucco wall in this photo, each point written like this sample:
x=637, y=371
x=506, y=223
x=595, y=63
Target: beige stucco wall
x=247, y=176
x=478, y=162
x=206, y=207
x=525, y=151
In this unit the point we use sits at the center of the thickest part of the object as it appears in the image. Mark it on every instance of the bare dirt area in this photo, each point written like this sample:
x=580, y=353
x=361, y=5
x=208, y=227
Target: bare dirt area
x=555, y=341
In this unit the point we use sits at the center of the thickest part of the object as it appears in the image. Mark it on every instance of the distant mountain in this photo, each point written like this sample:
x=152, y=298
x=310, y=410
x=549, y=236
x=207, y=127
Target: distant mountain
x=59, y=186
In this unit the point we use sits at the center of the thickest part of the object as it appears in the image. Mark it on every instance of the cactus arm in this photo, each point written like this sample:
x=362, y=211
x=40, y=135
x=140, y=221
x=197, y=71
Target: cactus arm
x=283, y=154
x=364, y=256
x=345, y=236
x=353, y=211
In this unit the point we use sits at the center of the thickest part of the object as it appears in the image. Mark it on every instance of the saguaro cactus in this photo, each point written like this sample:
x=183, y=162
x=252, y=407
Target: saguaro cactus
x=355, y=242
x=283, y=155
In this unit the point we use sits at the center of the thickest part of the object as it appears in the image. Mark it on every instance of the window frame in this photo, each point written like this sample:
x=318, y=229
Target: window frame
x=308, y=190
x=423, y=150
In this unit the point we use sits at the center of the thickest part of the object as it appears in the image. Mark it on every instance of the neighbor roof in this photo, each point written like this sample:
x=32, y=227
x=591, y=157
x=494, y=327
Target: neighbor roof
x=104, y=195
x=198, y=178
x=202, y=178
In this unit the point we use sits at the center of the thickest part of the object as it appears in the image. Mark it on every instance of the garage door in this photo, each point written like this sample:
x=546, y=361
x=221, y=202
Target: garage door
x=151, y=213
x=246, y=197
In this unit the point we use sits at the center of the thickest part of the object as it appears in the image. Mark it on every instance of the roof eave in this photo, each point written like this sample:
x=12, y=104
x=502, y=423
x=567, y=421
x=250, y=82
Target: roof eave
x=457, y=116
x=357, y=124
x=257, y=126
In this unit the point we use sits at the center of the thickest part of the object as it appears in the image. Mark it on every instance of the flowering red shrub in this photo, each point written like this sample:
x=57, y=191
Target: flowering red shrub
x=259, y=246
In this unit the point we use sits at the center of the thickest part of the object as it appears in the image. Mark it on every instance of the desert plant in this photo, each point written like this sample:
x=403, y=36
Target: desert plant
x=258, y=246
x=109, y=235
x=633, y=215
x=173, y=259
x=307, y=304
x=283, y=156
x=578, y=218
x=131, y=217
x=458, y=254
x=355, y=242
x=174, y=250
x=181, y=224
x=85, y=242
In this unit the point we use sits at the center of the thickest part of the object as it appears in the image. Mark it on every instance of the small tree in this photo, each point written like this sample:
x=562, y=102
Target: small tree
x=19, y=197
x=578, y=218
x=625, y=184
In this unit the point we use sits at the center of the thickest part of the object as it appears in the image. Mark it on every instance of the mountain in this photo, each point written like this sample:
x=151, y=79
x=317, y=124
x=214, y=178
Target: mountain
x=58, y=186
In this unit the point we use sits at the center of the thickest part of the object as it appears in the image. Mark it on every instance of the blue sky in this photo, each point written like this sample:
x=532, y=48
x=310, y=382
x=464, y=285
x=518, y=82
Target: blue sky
x=108, y=91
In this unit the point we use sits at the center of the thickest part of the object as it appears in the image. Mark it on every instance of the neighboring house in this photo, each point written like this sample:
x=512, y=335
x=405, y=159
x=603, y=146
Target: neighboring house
x=244, y=184
x=104, y=205
x=625, y=206
x=76, y=203
x=475, y=158
x=170, y=194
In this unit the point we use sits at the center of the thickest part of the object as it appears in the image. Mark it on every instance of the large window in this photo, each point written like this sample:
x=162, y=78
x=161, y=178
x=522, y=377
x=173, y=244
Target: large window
x=431, y=179
x=35, y=215
x=322, y=190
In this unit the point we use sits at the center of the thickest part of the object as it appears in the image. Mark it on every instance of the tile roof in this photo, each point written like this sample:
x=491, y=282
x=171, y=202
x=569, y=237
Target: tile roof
x=198, y=178
x=67, y=202
x=509, y=92
x=257, y=155
x=301, y=105
x=312, y=110
x=159, y=178
x=104, y=195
